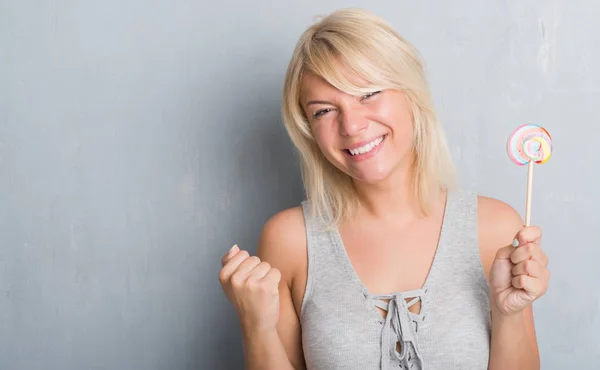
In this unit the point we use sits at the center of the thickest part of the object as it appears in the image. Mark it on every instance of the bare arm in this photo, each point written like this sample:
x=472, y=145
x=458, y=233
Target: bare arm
x=513, y=341
x=513, y=344
x=279, y=349
x=265, y=351
x=283, y=245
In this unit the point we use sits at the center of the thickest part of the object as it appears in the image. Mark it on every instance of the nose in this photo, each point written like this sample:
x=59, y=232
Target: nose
x=352, y=122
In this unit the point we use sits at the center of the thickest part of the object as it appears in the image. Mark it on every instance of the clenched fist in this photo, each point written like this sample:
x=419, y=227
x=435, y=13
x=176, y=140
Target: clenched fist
x=253, y=288
x=519, y=273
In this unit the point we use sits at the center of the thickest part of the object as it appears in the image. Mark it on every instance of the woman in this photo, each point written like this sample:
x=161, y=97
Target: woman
x=387, y=264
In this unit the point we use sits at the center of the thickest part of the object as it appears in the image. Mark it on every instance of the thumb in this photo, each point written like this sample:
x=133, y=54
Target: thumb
x=504, y=253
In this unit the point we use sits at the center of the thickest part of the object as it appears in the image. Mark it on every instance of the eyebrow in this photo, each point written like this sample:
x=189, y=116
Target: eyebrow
x=317, y=102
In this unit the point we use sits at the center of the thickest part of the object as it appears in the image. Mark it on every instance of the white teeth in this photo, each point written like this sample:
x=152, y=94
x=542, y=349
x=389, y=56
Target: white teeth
x=367, y=148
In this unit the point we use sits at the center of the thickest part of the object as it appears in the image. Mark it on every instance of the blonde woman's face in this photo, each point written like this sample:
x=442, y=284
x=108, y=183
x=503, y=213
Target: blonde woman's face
x=368, y=137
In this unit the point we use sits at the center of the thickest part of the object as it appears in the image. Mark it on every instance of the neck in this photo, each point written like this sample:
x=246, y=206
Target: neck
x=390, y=198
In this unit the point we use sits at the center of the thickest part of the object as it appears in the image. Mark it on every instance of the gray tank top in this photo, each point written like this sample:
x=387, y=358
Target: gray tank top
x=341, y=328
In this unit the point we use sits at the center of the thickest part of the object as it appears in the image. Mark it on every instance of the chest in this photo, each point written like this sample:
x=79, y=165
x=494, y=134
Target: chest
x=388, y=258
x=454, y=335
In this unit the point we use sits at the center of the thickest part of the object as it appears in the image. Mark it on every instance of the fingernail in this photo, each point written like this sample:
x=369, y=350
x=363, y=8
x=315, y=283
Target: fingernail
x=515, y=243
x=233, y=249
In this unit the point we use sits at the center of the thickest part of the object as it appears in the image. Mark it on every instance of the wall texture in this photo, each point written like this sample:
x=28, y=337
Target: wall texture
x=140, y=139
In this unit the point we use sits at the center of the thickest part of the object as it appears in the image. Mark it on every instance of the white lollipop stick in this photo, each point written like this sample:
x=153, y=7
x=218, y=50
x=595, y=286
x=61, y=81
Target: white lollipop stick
x=528, y=197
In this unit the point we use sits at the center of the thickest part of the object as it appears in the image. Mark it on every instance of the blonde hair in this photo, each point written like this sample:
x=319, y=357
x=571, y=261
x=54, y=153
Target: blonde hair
x=369, y=48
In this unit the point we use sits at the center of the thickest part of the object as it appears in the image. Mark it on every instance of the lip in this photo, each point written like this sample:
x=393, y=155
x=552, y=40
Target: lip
x=365, y=156
x=364, y=142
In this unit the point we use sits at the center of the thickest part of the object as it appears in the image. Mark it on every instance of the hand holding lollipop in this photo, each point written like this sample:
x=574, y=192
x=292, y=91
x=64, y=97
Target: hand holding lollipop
x=519, y=273
x=529, y=143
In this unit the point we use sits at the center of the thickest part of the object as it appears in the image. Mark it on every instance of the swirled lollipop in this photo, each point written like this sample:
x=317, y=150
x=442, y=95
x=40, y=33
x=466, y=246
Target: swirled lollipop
x=529, y=144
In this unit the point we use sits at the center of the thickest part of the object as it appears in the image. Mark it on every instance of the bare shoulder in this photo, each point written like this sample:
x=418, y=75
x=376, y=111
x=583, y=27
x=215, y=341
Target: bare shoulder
x=282, y=242
x=498, y=223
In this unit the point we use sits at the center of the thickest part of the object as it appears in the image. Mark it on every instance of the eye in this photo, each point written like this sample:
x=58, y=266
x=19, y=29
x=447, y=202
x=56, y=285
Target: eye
x=321, y=112
x=369, y=95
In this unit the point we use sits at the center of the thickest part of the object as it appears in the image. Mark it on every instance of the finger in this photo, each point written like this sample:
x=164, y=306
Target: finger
x=248, y=265
x=230, y=254
x=259, y=271
x=543, y=258
x=531, y=268
x=531, y=234
x=274, y=276
x=525, y=252
x=231, y=265
x=533, y=286
x=528, y=234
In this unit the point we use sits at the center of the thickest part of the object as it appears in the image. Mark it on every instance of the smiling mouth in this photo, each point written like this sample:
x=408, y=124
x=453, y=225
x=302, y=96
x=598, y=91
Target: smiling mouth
x=367, y=147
